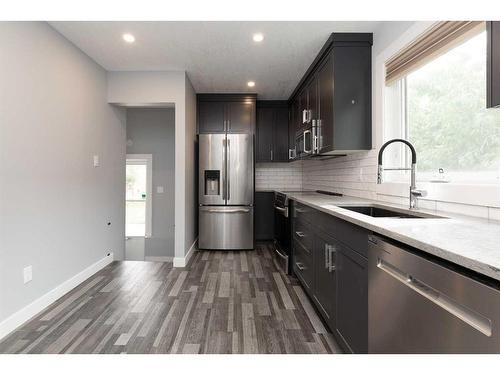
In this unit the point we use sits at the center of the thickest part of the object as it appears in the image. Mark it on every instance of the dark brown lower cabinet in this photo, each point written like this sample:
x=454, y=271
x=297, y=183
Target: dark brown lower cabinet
x=329, y=261
x=264, y=215
x=352, y=299
x=324, y=275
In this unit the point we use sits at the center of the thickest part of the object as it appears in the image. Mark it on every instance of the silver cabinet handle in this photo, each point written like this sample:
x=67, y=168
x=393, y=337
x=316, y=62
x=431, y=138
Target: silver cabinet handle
x=305, y=150
x=292, y=154
x=300, y=266
x=318, y=135
x=300, y=234
x=314, y=137
x=327, y=257
x=304, y=116
x=271, y=155
x=228, y=191
x=284, y=211
x=331, y=253
x=467, y=315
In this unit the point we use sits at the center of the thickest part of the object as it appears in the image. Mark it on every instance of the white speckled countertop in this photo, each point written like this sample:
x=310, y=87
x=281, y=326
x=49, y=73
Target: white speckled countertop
x=466, y=241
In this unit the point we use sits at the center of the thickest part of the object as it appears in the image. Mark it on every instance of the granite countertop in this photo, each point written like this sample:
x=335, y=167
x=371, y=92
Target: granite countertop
x=467, y=241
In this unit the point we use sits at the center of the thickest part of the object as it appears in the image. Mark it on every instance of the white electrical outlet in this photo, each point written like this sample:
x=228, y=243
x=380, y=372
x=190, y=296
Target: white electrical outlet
x=96, y=160
x=159, y=189
x=28, y=274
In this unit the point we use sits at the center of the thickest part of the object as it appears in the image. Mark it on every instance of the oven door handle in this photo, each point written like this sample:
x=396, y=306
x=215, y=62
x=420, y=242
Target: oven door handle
x=280, y=253
x=282, y=210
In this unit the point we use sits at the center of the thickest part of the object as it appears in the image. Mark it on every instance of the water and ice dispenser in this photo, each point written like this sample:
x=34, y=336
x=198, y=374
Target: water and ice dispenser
x=212, y=182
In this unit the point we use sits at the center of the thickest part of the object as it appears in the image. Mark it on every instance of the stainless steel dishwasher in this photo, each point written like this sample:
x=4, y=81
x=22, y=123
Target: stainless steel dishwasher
x=416, y=305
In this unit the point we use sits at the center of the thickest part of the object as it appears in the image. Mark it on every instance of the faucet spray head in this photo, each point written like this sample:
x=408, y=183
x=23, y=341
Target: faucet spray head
x=379, y=174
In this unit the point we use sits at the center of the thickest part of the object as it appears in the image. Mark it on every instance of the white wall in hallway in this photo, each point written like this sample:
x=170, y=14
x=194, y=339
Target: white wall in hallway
x=54, y=204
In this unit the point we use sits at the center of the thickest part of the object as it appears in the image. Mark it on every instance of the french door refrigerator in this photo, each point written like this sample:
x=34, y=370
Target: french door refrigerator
x=226, y=191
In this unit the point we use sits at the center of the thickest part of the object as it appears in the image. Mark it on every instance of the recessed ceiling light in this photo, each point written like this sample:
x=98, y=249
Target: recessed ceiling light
x=129, y=38
x=251, y=83
x=258, y=37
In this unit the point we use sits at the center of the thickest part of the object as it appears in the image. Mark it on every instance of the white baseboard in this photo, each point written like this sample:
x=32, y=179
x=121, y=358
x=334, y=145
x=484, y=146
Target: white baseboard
x=26, y=313
x=158, y=259
x=183, y=261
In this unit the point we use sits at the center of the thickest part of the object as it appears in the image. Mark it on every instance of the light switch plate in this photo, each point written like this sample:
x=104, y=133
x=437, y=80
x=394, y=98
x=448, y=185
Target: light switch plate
x=159, y=189
x=96, y=160
x=28, y=274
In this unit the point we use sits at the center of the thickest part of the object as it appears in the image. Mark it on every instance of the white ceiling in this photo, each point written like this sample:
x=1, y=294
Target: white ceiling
x=219, y=57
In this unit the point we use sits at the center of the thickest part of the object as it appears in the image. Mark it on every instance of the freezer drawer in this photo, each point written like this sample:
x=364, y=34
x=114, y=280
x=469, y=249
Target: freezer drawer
x=226, y=228
x=419, y=306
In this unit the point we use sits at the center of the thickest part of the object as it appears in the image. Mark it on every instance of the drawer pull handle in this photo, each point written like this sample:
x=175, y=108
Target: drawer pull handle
x=300, y=266
x=468, y=316
x=327, y=257
x=300, y=234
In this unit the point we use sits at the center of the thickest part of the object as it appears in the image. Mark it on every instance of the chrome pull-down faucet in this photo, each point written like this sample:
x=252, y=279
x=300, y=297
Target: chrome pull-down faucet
x=414, y=192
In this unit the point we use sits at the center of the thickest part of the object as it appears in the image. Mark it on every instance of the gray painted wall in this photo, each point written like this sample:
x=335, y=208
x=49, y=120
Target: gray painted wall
x=191, y=186
x=54, y=204
x=152, y=131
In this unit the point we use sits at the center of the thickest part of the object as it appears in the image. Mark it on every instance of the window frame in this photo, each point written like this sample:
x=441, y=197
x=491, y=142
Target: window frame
x=468, y=194
x=140, y=159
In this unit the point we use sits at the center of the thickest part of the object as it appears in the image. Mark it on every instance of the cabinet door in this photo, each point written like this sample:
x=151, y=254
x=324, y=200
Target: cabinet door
x=493, y=64
x=297, y=115
x=304, y=107
x=211, y=117
x=240, y=117
x=325, y=248
x=312, y=91
x=264, y=215
x=325, y=100
x=292, y=114
x=352, y=299
x=265, y=125
x=280, y=136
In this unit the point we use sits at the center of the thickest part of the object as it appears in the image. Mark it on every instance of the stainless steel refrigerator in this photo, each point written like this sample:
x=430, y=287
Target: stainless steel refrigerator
x=226, y=191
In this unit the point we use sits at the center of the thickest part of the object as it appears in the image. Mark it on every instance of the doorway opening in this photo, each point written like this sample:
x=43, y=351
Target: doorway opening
x=150, y=184
x=138, y=207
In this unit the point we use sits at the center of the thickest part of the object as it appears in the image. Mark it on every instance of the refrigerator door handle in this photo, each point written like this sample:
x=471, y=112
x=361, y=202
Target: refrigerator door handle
x=223, y=169
x=226, y=211
x=228, y=170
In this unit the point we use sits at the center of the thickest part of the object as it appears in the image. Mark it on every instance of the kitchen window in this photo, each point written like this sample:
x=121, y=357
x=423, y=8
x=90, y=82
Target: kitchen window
x=439, y=105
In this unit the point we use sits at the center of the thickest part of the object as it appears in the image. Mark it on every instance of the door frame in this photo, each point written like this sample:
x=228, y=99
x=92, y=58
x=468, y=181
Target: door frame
x=140, y=159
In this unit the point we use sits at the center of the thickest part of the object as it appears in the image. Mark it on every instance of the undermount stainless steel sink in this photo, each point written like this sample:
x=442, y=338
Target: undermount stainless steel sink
x=389, y=212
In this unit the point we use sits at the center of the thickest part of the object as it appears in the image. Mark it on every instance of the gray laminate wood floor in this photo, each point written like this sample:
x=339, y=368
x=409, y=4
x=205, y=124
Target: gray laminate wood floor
x=223, y=302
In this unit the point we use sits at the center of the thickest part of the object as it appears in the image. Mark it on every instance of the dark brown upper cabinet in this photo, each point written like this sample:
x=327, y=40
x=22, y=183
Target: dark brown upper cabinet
x=493, y=64
x=226, y=113
x=272, y=131
x=211, y=117
x=335, y=96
